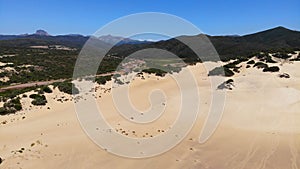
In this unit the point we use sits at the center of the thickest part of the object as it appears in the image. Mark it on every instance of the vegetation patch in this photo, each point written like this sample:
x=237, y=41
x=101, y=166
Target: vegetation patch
x=271, y=69
x=221, y=71
x=284, y=75
x=11, y=106
x=157, y=72
x=251, y=62
x=46, y=89
x=38, y=100
x=66, y=87
x=282, y=55
x=10, y=94
x=103, y=79
x=226, y=85
x=260, y=65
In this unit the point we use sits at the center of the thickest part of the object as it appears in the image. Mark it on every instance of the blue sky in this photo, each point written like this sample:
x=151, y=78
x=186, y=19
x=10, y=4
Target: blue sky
x=214, y=17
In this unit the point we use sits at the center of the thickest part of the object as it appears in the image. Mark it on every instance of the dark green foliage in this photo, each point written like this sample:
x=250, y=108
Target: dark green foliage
x=271, y=69
x=297, y=58
x=38, y=100
x=33, y=96
x=269, y=59
x=282, y=55
x=155, y=71
x=232, y=65
x=118, y=81
x=236, y=70
x=66, y=87
x=13, y=93
x=11, y=106
x=260, y=65
x=103, y=79
x=46, y=89
x=251, y=62
x=221, y=71
x=229, y=81
x=226, y=85
x=228, y=47
x=265, y=57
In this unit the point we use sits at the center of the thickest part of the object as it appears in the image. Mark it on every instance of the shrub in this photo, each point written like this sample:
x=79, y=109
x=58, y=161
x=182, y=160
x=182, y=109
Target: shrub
x=221, y=71
x=155, y=71
x=251, y=62
x=271, y=69
x=33, y=96
x=103, y=79
x=260, y=65
x=66, y=87
x=38, y=100
x=269, y=59
x=46, y=89
x=282, y=55
x=11, y=106
x=229, y=81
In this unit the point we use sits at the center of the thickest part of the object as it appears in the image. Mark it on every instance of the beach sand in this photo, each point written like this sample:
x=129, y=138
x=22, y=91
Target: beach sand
x=260, y=127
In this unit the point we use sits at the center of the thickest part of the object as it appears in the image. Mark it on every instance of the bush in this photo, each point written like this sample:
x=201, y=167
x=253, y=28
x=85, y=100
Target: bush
x=251, y=62
x=282, y=55
x=67, y=87
x=271, y=69
x=10, y=94
x=260, y=65
x=269, y=59
x=221, y=71
x=46, y=89
x=11, y=106
x=38, y=100
x=155, y=71
x=102, y=79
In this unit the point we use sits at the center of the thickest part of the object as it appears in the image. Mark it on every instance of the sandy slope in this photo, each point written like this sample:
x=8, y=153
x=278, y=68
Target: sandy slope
x=260, y=128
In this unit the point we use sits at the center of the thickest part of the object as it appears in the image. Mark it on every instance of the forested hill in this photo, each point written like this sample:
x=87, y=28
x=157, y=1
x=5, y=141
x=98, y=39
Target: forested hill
x=228, y=47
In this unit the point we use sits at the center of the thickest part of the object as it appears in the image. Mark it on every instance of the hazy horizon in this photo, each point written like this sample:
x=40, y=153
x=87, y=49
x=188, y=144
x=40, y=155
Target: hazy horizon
x=213, y=17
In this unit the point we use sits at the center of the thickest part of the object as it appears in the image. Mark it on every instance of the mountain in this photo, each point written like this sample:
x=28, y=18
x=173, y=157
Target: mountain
x=41, y=33
x=278, y=38
x=119, y=40
x=41, y=37
x=228, y=47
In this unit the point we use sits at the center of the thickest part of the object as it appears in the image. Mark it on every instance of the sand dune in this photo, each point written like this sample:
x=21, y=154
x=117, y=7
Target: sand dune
x=260, y=128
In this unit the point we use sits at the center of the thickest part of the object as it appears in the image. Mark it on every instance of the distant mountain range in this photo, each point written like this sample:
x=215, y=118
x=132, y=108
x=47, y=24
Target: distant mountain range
x=41, y=37
x=120, y=40
x=228, y=47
